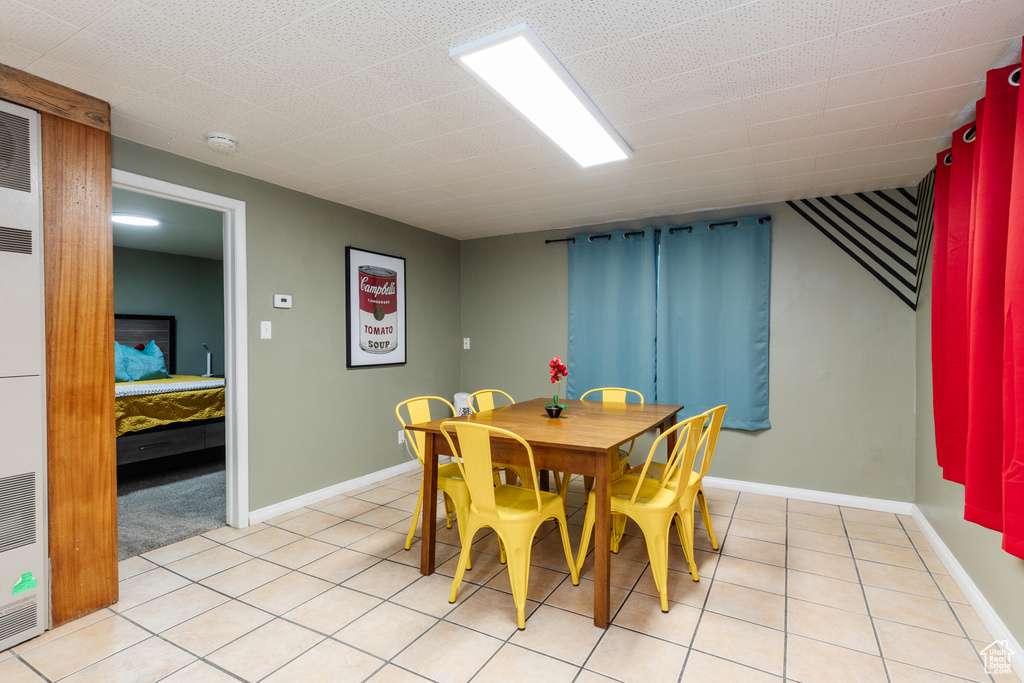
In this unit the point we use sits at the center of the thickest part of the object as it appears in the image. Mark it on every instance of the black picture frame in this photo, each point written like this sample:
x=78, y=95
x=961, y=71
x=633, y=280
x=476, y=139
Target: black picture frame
x=375, y=309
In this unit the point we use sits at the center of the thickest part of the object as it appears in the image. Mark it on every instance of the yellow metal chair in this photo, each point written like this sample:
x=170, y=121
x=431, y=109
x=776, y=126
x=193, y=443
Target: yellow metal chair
x=485, y=399
x=705, y=451
x=449, y=477
x=613, y=395
x=513, y=512
x=652, y=502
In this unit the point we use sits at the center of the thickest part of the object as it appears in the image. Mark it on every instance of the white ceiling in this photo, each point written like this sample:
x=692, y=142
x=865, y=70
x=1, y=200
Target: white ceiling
x=725, y=102
x=184, y=229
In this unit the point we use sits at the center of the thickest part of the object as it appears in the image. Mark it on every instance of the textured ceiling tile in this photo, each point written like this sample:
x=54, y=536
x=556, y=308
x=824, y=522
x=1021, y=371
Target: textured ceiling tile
x=450, y=147
x=504, y=135
x=409, y=125
x=723, y=160
x=782, y=130
x=920, y=129
x=204, y=99
x=230, y=22
x=856, y=139
x=915, y=149
x=406, y=156
x=443, y=47
x=716, y=118
x=246, y=80
x=80, y=14
x=905, y=167
x=783, y=151
x=699, y=89
x=329, y=175
x=945, y=101
x=163, y=115
x=866, y=12
x=569, y=27
x=32, y=29
x=287, y=160
x=859, y=157
x=863, y=115
x=767, y=25
x=698, y=145
x=367, y=166
x=675, y=50
x=468, y=108
x=125, y=127
x=292, y=10
x=361, y=136
x=403, y=182
x=842, y=175
x=339, y=195
x=787, y=103
x=729, y=175
x=322, y=148
x=108, y=61
x=263, y=124
x=140, y=29
x=978, y=21
x=638, y=103
x=195, y=147
x=431, y=22
x=16, y=56
x=606, y=69
x=900, y=40
x=785, y=183
x=300, y=184
x=784, y=68
x=638, y=17
x=968, y=65
x=422, y=74
x=310, y=111
x=877, y=84
x=82, y=81
x=362, y=94
x=360, y=31
x=780, y=169
x=250, y=167
x=293, y=55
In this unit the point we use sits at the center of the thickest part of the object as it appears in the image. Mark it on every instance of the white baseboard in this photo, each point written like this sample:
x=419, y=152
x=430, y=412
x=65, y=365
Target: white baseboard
x=879, y=504
x=271, y=511
x=982, y=607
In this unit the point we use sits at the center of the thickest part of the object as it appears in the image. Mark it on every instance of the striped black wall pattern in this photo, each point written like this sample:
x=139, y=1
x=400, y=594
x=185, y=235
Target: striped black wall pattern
x=925, y=226
x=879, y=230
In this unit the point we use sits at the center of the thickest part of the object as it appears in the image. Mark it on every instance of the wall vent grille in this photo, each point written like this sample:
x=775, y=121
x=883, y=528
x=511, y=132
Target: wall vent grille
x=15, y=160
x=17, y=511
x=15, y=240
x=17, y=617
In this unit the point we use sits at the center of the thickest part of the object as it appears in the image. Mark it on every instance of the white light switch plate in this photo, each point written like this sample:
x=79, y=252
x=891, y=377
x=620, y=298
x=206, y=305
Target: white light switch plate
x=282, y=301
x=465, y=342
x=264, y=329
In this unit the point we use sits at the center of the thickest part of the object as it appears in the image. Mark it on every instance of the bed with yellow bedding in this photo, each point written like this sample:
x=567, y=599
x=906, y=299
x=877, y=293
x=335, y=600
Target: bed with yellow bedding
x=155, y=418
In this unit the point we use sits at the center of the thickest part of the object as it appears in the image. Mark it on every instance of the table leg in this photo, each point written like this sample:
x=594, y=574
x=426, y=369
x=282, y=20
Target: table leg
x=542, y=478
x=602, y=538
x=666, y=425
x=429, y=527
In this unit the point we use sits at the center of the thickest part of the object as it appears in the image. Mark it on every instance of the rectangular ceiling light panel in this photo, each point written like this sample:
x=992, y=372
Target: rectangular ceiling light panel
x=520, y=69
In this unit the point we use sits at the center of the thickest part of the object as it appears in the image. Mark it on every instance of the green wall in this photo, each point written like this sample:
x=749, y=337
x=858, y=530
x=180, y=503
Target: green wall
x=998, y=575
x=312, y=422
x=842, y=355
x=191, y=289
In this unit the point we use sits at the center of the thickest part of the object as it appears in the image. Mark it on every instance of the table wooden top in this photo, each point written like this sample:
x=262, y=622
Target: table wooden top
x=585, y=425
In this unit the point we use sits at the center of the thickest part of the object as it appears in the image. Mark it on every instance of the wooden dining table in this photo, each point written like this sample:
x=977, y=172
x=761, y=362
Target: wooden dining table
x=585, y=439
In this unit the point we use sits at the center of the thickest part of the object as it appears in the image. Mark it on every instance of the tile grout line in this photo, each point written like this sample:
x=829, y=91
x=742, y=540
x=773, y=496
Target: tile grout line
x=864, y=594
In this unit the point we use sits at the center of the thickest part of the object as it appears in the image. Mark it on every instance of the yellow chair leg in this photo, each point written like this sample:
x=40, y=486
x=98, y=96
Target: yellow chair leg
x=656, y=537
x=573, y=571
x=449, y=509
x=618, y=529
x=588, y=528
x=519, y=548
x=707, y=518
x=684, y=525
x=415, y=516
x=461, y=569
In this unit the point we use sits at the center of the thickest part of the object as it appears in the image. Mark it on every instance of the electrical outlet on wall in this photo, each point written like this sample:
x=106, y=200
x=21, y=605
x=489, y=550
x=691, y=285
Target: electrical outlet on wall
x=401, y=436
x=465, y=342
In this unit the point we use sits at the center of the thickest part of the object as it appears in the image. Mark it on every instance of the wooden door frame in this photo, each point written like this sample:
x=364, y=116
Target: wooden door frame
x=236, y=353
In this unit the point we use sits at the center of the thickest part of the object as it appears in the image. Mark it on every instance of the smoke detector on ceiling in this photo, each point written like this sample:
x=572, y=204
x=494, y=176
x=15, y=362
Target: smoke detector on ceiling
x=220, y=142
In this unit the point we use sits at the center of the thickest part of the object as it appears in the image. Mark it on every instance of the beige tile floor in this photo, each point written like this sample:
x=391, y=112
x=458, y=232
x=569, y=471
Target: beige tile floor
x=799, y=591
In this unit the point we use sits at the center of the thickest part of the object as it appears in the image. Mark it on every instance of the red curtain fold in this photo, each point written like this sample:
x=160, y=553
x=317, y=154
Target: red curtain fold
x=1013, y=361
x=939, y=248
x=993, y=172
x=954, y=412
x=978, y=310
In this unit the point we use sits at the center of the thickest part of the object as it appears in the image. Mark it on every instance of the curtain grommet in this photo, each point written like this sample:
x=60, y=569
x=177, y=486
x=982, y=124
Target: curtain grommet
x=1015, y=77
x=971, y=133
x=948, y=159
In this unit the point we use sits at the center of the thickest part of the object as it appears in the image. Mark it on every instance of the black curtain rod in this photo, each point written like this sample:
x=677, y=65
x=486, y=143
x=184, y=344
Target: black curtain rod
x=689, y=228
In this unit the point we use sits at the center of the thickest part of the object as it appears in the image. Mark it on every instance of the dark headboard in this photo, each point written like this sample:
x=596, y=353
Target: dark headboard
x=140, y=329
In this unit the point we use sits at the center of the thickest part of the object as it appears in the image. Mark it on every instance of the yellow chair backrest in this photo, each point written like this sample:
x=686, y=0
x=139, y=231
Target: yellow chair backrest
x=709, y=439
x=473, y=456
x=418, y=410
x=680, y=460
x=614, y=395
x=485, y=399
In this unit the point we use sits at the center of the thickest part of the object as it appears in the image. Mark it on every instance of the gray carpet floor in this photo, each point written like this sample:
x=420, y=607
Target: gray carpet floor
x=161, y=506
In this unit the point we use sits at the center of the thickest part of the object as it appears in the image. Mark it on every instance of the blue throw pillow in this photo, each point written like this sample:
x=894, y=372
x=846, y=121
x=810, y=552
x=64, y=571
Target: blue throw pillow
x=145, y=364
x=120, y=367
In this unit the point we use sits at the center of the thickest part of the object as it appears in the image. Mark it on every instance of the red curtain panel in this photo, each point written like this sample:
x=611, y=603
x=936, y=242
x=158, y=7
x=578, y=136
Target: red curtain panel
x=987, y=270
x=1013, y=362
x=954, y=410
x=940, y=216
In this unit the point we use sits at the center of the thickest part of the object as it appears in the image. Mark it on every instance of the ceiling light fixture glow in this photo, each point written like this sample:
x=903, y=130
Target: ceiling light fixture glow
x=138, y=221
x=517, y=66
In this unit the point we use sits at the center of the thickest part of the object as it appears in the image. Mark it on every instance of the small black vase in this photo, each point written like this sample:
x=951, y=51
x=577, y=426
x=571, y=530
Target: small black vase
x=553, y=411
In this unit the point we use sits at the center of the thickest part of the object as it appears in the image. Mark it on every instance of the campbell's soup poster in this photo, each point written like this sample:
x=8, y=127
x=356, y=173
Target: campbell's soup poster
x=376, y=308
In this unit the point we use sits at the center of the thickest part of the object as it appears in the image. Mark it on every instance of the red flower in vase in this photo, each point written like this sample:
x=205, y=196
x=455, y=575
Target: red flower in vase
x=556, y=371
